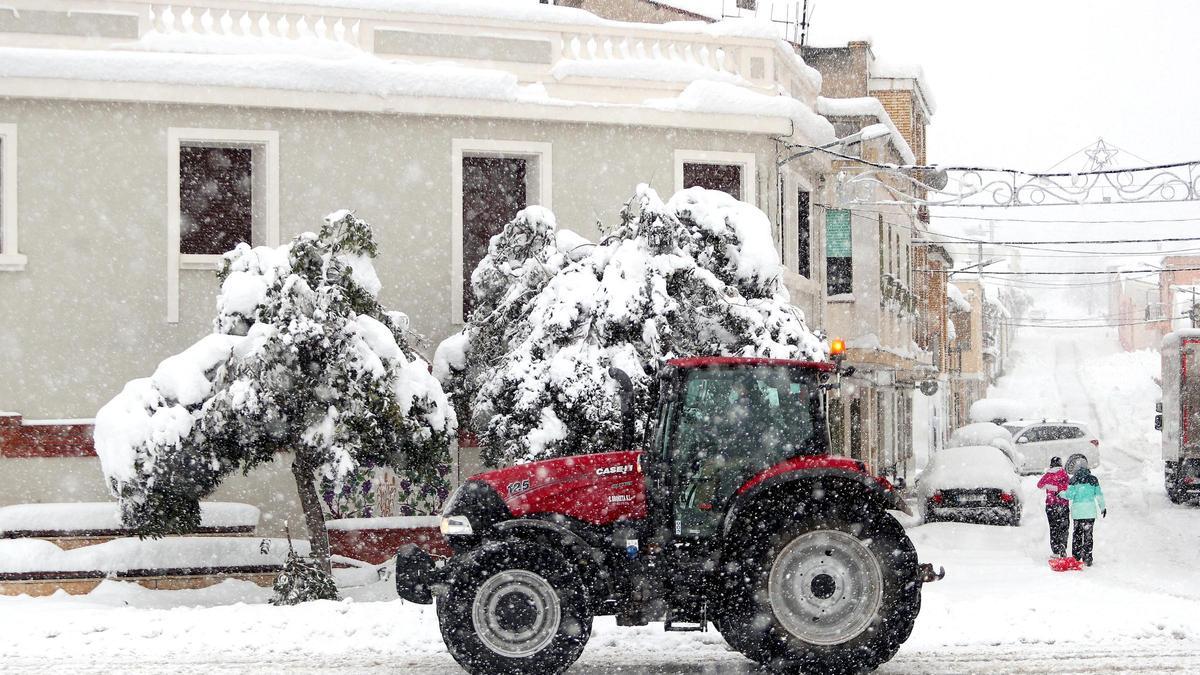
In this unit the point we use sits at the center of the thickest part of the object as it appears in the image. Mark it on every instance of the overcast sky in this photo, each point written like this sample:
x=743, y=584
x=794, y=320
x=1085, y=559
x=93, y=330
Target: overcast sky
x=1023, y=84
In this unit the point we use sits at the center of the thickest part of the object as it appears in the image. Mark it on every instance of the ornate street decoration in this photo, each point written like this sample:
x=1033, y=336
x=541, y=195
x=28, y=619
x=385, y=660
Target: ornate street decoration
x=1097, y=183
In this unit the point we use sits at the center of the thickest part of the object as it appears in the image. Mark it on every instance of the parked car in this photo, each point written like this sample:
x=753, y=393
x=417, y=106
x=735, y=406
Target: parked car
x=986, y=433
x=1039, y=440
x=975, y=483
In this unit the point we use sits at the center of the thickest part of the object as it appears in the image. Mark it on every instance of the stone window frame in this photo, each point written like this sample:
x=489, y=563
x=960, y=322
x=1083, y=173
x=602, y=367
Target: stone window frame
x=268, y=142
x=540, y=152
x=748, y=161
x=11, y=258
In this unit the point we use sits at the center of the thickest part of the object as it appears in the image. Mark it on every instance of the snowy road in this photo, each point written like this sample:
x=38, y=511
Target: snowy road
x=1000, y=609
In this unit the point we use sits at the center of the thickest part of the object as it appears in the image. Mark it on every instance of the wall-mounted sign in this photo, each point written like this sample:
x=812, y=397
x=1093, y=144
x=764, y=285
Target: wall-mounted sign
x=837, y=233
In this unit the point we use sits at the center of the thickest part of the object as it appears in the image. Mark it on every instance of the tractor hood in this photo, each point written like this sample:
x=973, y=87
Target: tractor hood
x=599, y=489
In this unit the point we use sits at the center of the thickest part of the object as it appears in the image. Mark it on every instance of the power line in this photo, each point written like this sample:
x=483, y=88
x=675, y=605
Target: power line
x=1029, y=283
x=962, y=240
x=1083, y=272
x=1061, y=221
x=997, y=169
x=1090, y=325
x=1083, y=255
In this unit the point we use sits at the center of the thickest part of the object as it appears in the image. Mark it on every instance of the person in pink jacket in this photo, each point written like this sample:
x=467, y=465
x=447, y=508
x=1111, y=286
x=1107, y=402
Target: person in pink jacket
x=1058, y=510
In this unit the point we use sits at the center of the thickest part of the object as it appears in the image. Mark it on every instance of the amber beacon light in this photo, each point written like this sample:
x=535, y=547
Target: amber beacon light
x=837, y=348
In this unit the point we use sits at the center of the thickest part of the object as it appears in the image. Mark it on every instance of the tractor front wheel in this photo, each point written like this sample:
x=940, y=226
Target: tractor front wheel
x=836, y=591
x=514, y=607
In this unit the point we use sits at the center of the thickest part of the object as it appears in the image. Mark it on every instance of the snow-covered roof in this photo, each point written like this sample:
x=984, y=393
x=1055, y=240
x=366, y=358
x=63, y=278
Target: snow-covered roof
x=521, y=53
x=902, y=71
x=867, y=106
x=958, y=301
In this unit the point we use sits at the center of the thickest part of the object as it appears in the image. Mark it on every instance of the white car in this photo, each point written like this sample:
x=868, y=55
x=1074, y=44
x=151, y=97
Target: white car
x=1039, y=440
x=976, y=483
x=986, y=433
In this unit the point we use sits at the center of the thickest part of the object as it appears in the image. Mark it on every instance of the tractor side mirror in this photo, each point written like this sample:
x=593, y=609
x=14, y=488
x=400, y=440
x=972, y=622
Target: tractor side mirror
x=1158, y=422
x=1023, y=439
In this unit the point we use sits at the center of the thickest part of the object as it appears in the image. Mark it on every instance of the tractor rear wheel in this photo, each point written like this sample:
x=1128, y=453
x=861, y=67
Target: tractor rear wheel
x=514, y=607
x=833, y=592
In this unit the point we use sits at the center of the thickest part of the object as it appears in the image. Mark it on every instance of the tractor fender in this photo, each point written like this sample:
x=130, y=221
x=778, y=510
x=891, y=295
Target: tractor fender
x=865, y=484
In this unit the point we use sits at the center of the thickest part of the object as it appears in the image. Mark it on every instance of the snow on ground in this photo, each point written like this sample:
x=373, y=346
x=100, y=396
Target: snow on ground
x=999, y=609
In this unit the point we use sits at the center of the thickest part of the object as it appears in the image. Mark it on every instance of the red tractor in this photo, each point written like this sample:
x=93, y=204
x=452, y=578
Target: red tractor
x=734, y=513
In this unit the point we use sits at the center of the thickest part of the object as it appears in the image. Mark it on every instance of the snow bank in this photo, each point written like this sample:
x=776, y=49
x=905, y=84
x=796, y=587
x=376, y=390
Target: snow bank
x=19, y=556
x=1125, y=414
x=92, y=516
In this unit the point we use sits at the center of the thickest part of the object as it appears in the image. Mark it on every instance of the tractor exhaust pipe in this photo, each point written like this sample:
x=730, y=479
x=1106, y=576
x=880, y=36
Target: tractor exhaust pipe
x=625, y=387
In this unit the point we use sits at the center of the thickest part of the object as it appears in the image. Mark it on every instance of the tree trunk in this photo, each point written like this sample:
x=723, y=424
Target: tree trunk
x=314, y=517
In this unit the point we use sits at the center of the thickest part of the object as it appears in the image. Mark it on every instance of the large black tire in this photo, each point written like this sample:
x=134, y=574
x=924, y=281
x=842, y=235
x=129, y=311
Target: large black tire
x=515, y=608
x=850, y=565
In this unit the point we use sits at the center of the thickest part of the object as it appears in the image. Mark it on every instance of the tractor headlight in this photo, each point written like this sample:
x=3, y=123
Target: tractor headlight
x=456, y=525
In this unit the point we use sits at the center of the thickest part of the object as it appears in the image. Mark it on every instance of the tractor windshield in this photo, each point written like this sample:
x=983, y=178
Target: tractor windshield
x=748, y=418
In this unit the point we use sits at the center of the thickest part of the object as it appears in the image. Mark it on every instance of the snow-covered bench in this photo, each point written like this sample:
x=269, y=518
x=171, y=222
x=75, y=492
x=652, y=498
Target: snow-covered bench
x=71, y=525
x=375, y=540
x=39, y=567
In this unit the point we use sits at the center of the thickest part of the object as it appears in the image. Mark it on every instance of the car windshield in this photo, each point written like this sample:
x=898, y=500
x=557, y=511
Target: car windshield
x=755, y=416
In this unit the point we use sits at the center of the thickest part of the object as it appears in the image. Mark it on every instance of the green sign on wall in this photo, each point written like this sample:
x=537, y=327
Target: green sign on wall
x=837, y=233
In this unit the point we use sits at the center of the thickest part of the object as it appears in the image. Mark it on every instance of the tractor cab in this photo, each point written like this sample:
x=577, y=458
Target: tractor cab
x=722, y=421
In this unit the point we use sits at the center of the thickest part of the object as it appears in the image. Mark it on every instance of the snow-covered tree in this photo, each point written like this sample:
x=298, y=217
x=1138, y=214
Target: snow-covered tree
x=698, y=275
x=303, y=360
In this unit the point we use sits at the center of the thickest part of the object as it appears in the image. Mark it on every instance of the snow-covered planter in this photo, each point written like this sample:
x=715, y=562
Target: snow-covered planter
x=303, y=360
x=376, y=540
x=92, y=519
x=130, y=556
x=698, y=275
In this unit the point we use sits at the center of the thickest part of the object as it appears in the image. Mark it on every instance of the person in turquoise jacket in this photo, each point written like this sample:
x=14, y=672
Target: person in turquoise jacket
x=1086, y=501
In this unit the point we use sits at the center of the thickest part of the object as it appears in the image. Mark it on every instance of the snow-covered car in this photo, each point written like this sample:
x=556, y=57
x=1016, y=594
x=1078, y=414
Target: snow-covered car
x=986, y=433
x=975, y=483
x=998, y=410
x=1039, y=440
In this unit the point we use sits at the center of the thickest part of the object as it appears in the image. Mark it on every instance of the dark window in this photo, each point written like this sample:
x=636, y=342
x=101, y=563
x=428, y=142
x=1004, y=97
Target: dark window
x=215, y=198
x=493, y=193
x=839, y=276
x=724, y=177
x=804, y=234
